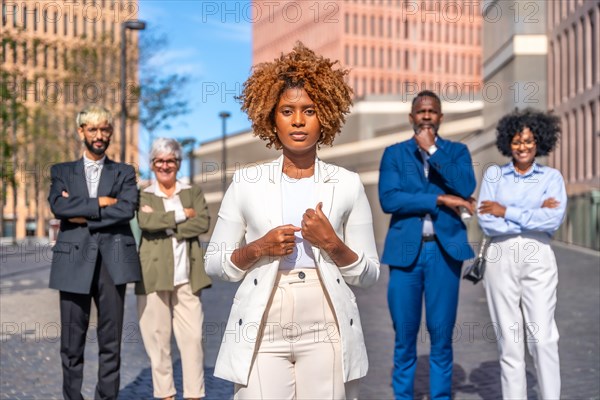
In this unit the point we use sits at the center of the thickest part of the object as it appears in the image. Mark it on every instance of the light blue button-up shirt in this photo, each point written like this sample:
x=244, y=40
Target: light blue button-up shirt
x=522, y=195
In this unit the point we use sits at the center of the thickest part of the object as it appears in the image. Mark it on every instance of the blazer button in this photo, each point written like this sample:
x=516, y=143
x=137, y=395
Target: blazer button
x=351, y=321
x=240, y=322
x=255, y=282
x=338, y=280
x=301, y=275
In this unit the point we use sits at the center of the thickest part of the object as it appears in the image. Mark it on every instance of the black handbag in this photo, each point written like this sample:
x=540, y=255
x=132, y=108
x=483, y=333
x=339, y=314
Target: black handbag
x=476, y=270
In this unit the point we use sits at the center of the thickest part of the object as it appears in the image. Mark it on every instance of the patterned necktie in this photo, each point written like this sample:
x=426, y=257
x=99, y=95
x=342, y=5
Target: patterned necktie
x=92, y=177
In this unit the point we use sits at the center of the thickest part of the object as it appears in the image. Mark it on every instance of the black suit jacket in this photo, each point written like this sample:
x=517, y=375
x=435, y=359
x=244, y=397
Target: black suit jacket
x=107, y=231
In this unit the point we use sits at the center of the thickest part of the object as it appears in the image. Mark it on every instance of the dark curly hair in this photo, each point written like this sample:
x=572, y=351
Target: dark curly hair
x=301, y=68
x=544, y=126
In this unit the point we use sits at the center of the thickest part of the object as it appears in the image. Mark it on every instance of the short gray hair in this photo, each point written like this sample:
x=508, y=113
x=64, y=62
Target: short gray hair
x=165, y=146
x=94, y=115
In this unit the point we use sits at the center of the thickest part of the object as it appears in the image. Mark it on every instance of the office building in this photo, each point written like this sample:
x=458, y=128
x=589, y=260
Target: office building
x=392, y=46
x=56, y=58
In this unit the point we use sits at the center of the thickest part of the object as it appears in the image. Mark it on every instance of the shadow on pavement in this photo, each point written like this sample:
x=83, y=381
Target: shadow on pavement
x=141, y=387
x=483, y=380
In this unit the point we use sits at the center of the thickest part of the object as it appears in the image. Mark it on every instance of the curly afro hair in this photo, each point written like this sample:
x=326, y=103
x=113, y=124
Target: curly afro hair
x=301, y=68
x=544, y=126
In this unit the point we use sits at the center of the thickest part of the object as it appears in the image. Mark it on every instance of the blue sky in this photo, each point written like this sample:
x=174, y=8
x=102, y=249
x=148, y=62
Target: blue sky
x=212, y=43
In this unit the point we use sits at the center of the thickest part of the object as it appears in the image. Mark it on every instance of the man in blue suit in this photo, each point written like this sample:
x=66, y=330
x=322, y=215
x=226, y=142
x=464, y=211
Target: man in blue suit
x=95, y=254
x=424, y=182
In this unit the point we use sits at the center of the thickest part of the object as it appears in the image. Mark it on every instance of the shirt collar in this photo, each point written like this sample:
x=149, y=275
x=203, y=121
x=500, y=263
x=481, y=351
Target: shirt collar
x=154, y=189
x=510, y=168
x=99, y=163
x=425, y=154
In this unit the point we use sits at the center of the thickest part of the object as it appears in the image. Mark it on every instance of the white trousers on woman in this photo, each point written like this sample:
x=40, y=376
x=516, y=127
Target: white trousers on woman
x=180, y=310
x=298, y=354
x=520, y=281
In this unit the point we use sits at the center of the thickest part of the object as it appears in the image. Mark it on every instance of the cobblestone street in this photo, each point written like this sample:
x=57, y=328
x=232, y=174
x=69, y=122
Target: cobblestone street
x=29, y=340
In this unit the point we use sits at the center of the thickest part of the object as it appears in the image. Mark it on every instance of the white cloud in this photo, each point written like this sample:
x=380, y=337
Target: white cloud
x=233, y=32
x=178, y=61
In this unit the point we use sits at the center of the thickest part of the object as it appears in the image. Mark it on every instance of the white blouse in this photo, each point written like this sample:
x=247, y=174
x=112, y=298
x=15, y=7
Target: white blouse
x=297, y=195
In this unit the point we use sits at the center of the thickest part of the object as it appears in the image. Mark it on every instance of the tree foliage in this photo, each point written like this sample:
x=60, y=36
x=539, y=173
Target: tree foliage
x=161, y=95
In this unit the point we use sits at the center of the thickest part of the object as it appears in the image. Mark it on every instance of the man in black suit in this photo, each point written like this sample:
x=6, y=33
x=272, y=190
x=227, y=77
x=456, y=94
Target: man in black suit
x=95, y=254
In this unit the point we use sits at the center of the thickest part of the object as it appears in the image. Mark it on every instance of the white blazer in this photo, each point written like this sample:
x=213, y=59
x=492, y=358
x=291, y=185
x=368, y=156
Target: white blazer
x=251, y=207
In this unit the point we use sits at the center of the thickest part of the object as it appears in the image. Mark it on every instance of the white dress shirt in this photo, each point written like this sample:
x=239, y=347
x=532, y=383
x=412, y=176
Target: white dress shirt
x=93, y=170
x=173, y=203
x=297, y=196
x=427, y=222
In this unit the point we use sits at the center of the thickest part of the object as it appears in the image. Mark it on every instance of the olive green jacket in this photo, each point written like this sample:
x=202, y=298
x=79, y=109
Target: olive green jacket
x=156, y=247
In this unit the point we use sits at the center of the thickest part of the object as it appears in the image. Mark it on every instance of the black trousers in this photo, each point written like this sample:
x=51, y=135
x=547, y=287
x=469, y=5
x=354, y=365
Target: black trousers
x=75, y=317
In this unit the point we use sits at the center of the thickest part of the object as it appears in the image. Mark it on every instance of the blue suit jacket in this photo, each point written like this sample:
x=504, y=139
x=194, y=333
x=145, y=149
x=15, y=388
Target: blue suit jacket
x=107, y=231
x=405, y=193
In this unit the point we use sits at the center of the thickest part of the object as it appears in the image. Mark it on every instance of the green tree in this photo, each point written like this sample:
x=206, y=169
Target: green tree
x=161, y=95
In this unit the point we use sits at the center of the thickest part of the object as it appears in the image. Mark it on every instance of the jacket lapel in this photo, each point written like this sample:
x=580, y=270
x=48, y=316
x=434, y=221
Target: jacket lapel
x=107, y=178
x=274, y=205
x=325, y=178
x=415, y=155
x=79, y=180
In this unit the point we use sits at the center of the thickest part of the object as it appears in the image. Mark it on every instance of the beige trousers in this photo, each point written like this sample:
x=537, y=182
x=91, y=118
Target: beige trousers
x=181, y=311
x=298, y=355
x=520, y=281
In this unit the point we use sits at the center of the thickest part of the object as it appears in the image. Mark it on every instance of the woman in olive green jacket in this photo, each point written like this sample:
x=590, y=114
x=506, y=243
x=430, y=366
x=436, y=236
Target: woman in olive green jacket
x=172, y=215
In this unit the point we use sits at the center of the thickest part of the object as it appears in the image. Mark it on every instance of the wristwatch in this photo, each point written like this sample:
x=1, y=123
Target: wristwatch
x=432, y=149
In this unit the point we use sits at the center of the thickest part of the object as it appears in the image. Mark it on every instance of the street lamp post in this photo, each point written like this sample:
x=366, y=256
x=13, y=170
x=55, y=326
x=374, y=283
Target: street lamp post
x=135, y=25
x=224, y=115
x=190, y=141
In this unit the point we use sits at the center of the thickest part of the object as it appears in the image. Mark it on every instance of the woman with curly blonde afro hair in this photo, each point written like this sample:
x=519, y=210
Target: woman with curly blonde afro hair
x=301, y=68
x=297, y=231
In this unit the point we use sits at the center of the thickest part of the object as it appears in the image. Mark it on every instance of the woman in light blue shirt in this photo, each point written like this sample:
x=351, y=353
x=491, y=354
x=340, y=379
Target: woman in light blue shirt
x=521, y=205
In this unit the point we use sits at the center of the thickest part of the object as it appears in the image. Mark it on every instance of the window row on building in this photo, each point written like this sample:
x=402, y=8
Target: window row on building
x=465, y=33
x=68, y=92
x=559, y=10
x=578, y=152
x=574, y=62
x=55, y=20
x=425, y=61
x=469, y=6
x=401, y=86
x=35, y=53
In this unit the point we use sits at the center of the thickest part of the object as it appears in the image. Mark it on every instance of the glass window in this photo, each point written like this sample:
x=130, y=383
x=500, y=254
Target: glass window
x=346, y=23
x=594, y=46
x=35, y=54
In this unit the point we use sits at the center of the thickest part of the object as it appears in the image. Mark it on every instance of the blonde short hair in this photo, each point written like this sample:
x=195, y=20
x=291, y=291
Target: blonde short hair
x=94, y=115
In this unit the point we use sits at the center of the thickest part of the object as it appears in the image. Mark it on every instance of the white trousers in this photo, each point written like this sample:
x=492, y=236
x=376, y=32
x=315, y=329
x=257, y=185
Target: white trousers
x=520, y=281
x=181, y=311
x=298, y=355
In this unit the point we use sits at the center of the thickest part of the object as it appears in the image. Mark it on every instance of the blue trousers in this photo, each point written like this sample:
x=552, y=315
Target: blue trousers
x=436, y=276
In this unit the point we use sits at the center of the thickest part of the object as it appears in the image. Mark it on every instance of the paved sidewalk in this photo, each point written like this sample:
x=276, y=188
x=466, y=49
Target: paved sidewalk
x=30, y=363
